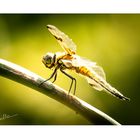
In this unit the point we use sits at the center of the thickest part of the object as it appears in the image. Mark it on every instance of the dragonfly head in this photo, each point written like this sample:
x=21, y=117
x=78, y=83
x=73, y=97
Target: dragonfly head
x=49, y=60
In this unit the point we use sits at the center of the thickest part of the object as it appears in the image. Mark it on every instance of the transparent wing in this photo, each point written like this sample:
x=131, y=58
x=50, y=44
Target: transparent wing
x=79, y=61
x=93, y=68
x=100, y=72
x=94, y=84
x=65, y=42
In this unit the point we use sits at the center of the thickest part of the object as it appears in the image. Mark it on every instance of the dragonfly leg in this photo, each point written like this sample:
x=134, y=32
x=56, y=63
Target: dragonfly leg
x=52, y=75
x=55, y=77
x=73, y=80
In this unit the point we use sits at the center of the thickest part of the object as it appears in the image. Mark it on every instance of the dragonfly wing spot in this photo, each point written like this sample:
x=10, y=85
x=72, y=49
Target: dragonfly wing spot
x=58, y=38
x=65, y=42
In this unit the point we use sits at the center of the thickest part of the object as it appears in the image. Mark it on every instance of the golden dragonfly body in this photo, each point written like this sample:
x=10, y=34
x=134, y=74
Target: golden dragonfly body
x=69, y=60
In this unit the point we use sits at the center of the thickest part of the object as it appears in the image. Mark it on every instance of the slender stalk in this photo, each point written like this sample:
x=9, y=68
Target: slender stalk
x=32, y=80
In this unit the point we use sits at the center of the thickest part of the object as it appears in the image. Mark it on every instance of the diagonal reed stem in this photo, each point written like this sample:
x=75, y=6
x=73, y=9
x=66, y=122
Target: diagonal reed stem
x=32, y=80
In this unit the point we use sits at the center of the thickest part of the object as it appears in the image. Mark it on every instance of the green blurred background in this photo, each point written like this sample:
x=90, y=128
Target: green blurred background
x=112, y=41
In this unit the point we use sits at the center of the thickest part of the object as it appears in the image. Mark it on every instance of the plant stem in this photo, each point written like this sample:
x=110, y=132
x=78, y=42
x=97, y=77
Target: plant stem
x=32, y=80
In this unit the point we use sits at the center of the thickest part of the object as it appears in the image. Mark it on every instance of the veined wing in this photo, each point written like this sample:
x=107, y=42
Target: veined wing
x=92, y=66
x=99, y=72
x=97, y=78
x=65, y=42
x=95, y=70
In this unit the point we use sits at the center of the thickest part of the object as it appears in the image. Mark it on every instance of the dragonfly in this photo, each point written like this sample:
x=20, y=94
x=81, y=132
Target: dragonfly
x=68, y=60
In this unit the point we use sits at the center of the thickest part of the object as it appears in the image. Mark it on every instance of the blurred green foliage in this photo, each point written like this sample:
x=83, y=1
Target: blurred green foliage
x=112, y=41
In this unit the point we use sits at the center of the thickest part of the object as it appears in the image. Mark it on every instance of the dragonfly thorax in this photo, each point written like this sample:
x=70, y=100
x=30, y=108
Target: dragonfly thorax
x=49, y=60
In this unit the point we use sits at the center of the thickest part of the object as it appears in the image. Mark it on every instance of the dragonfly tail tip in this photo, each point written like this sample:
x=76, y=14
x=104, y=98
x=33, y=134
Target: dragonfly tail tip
x=126, y=98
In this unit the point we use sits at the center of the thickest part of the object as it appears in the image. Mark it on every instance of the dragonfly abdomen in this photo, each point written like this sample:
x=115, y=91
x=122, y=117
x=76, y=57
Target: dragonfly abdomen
x=108, y=88
x=84, y=71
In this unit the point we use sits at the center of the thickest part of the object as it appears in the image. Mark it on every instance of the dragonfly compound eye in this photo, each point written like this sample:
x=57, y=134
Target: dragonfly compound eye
x=48, y=60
